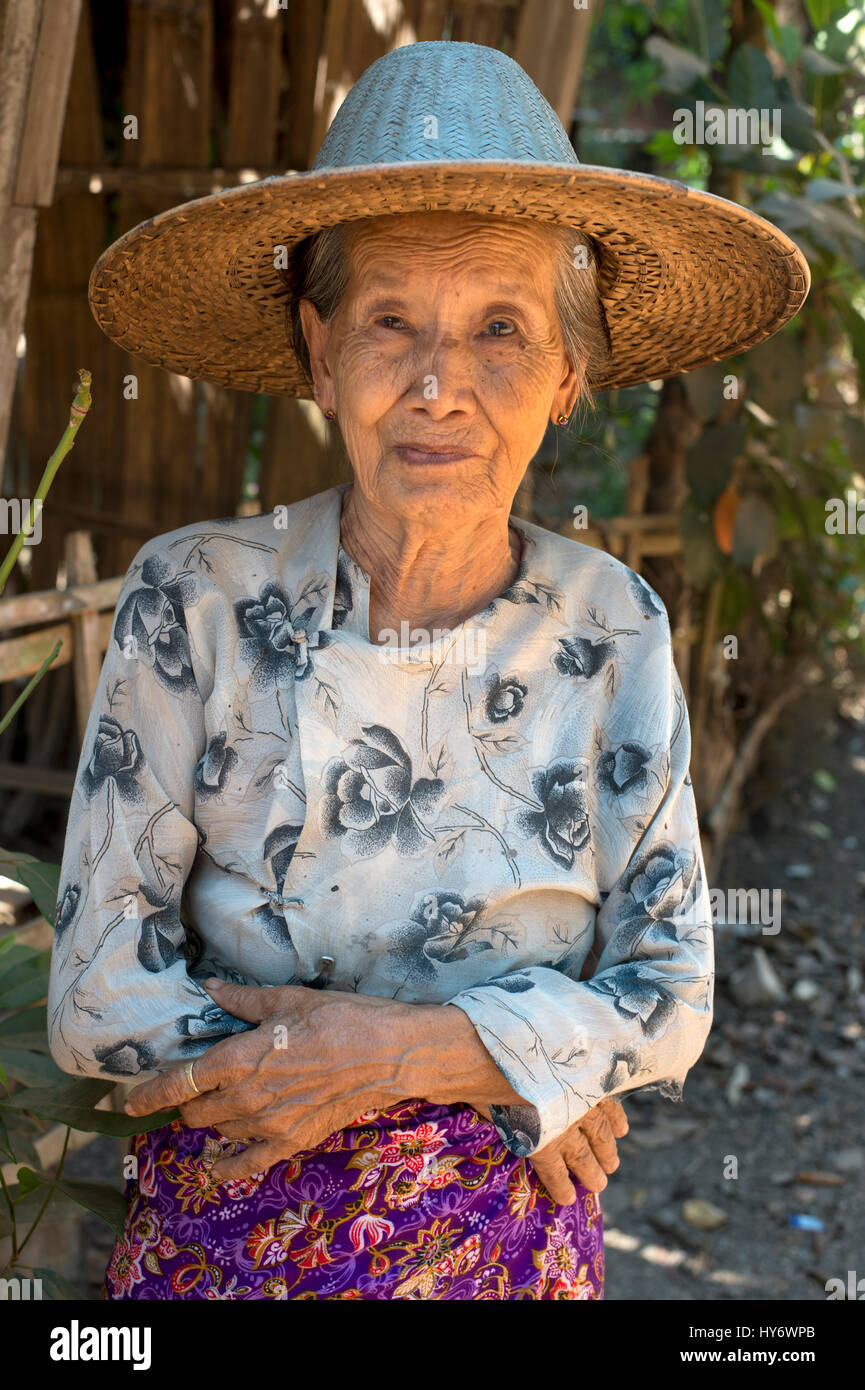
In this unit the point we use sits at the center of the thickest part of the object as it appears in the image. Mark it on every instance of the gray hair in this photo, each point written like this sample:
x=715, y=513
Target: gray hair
x=319, y=272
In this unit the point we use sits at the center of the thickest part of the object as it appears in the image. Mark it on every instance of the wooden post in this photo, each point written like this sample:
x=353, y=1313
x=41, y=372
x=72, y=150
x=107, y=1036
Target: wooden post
x=552, y=41
x=700, y=706
x=19, y=31
x=86, y=650
x=37, y=41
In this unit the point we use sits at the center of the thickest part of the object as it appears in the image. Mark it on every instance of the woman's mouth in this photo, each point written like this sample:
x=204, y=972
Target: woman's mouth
x=430, y=453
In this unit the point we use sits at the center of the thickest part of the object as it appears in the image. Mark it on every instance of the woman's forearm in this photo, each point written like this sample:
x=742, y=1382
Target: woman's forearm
x=443, y=1060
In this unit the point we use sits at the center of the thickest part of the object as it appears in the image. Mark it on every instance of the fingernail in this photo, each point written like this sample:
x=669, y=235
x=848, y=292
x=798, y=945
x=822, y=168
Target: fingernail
x=212, y=983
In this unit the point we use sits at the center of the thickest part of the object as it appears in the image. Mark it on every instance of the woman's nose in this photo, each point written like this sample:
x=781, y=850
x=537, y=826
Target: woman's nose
x=445, y=372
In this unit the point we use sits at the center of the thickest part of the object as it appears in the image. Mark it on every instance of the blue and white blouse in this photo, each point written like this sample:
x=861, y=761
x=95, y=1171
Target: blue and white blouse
x=500, y=818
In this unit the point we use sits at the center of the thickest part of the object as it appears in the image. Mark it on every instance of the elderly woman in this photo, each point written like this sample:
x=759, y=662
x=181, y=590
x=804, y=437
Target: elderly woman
x=383, y=862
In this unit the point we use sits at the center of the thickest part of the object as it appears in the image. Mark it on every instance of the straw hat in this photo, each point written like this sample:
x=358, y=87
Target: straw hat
x=686, y=277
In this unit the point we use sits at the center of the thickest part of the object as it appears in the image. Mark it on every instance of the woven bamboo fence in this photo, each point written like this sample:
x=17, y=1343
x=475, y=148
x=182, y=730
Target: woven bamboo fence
x=223, y=91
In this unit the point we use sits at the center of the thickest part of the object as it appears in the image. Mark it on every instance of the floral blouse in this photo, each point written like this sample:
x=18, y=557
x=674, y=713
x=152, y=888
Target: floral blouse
x=499, y=818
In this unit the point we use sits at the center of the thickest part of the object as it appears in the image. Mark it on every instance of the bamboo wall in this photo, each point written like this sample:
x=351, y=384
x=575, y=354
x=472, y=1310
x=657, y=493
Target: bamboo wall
x=223, y=91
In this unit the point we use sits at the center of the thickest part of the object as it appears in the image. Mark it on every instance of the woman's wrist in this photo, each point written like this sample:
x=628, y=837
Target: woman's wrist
x=442, y=1059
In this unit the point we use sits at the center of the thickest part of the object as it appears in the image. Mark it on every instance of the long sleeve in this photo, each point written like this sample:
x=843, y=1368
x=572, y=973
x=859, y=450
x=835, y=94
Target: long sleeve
x=641, y=1019
x=122, y=1001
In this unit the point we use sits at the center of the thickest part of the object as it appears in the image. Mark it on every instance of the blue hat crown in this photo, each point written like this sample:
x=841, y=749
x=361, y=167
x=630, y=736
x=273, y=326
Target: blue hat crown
x=429, y=102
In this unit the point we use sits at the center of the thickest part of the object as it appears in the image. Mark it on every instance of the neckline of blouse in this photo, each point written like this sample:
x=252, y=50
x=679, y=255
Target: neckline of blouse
x=361, y=630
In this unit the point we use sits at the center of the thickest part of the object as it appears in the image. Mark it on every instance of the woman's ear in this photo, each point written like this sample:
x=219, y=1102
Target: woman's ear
x=317, y=335
x=569, y=390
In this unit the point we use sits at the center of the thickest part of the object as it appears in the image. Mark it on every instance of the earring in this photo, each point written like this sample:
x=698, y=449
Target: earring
x=561, y=419
x=330, y=415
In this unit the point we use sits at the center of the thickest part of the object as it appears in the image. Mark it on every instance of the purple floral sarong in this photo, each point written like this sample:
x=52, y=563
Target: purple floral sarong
x=418, y=1201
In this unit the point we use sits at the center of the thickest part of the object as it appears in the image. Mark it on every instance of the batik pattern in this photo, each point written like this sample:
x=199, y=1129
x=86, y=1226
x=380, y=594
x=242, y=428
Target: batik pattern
x=417, y=1202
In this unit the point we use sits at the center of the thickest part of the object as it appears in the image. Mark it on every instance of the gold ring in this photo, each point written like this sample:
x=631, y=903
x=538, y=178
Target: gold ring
x=187, y=1070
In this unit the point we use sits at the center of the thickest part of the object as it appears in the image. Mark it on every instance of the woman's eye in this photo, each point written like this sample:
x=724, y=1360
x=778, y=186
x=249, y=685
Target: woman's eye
x=389, y=320
x=501, y=324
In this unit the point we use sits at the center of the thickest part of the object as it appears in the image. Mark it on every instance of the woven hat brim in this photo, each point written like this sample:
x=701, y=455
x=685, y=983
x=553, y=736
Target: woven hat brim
x=686, y=277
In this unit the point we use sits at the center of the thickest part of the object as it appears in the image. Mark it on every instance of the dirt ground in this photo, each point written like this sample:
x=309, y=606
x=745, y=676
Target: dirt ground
x=781, y=1085
x=778, y=1097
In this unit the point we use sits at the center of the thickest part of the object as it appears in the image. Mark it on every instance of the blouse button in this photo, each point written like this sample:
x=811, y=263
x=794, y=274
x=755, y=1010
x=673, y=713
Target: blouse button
x=325, y=970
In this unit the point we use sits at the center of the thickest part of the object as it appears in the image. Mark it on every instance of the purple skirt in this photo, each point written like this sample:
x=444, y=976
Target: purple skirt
x=418, y=1201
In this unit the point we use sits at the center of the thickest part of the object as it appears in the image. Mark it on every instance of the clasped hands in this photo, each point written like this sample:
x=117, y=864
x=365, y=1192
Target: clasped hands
x=320, y=1058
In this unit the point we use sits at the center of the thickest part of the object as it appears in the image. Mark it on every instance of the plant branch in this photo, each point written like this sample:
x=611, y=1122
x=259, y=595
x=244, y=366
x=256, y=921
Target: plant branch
x=41, y=1212
x=11, y=1205
x=29, y=687
x=77, y=411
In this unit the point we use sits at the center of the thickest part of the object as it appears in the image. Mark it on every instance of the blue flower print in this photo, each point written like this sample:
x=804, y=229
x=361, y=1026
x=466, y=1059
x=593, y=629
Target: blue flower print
x=562, y=827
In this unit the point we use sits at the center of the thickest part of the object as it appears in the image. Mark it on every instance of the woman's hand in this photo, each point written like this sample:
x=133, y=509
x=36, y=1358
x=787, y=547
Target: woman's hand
x=316, y=1061
x=320, y=1058
x=587, y=1151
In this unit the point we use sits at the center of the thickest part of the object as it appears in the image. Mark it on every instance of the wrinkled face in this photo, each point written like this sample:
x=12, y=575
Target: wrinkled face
x=447, y=339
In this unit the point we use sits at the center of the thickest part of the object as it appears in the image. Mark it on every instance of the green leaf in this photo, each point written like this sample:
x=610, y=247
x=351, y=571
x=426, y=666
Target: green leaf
x=798, y=129
x=27, y=1181
x=680, y=66
x=703, y=560
x=104, y=1201
x=73, y=1095
x=705, y=30
x=43, y=880
x=30, y=1068
x=773, y=373
x=821, y=11
x=26, y=1042
x=755, y=533
x=816, y=427
x=27, y=1029
x=854, y=326
x=12, y=956
x=737, y=598
x=25, y=983
x=819, y=64
x=819, y=190
x=789, y=44
x=17, y=1133
x=709, y=462
x=831, y=227
x=10, y=859
x=767, y=12
x=750, y=82
x=784, y=38
x=705, y=388
x=27, y=1209
x=74, y=1104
